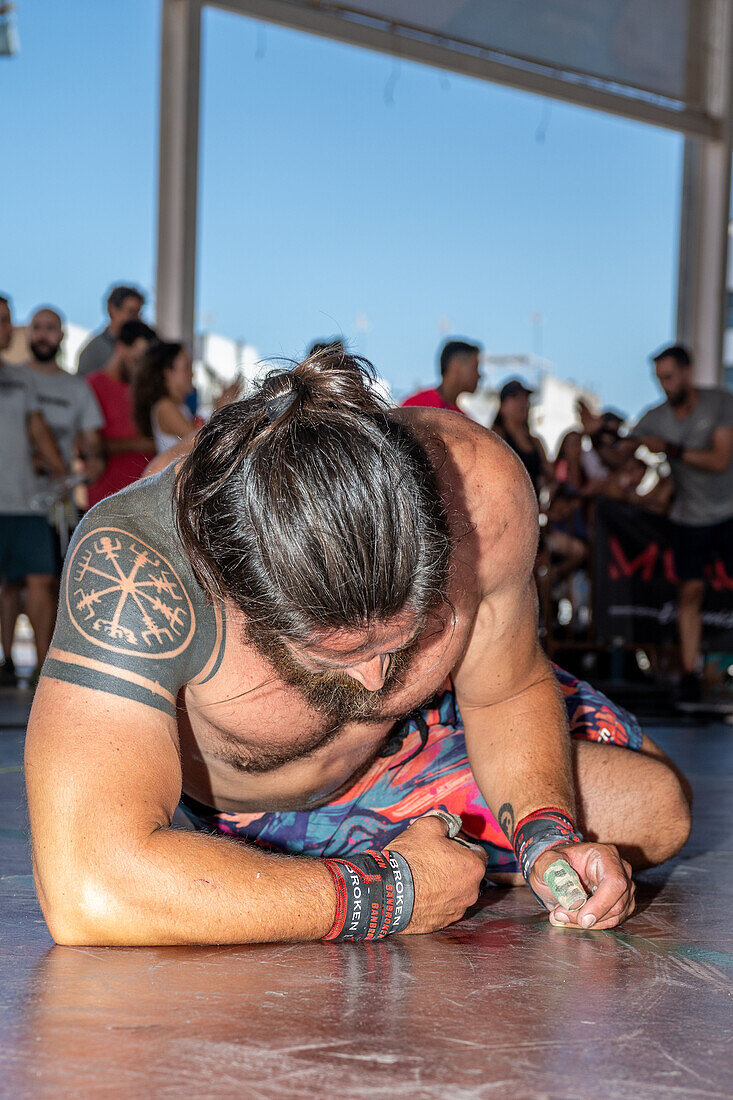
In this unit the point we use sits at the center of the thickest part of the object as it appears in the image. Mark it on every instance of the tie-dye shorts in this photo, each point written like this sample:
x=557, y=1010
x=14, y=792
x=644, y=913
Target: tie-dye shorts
x=427, y=769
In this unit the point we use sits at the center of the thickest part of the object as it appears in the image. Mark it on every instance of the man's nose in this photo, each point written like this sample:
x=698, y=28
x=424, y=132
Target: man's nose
x=371, y=674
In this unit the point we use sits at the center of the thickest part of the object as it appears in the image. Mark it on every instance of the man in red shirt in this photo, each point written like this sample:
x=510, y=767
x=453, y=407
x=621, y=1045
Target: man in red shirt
x=128, y=452
x=459, y=374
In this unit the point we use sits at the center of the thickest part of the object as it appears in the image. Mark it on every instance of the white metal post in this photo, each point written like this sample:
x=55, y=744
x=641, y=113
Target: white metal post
x=178, y=168
x=705, y=212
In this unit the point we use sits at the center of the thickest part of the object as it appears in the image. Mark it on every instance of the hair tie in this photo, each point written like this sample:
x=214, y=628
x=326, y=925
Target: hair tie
x=275, y=407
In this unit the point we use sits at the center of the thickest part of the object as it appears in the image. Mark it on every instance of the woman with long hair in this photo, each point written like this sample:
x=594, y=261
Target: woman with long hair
x=160, y=389
x=567, y=551
x=512, y=425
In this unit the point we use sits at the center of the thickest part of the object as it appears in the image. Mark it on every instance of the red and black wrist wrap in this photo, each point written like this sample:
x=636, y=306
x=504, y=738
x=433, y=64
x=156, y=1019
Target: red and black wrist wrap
x=374, y=896
x=540, y=830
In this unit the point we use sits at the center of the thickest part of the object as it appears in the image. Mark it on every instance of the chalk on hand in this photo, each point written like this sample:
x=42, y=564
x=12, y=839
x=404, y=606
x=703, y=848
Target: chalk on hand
x=452, y=822
x=565, y=885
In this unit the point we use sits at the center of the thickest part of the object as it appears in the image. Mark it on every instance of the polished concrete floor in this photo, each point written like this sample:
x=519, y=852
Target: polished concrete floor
x=500, y=1005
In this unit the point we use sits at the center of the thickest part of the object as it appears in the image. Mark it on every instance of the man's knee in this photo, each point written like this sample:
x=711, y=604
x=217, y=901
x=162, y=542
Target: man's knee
x=673, y=805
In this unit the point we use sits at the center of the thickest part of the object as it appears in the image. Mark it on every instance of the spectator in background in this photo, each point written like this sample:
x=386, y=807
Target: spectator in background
x=512, y=425
x=694, y=429
x=123, y=304
x=459, y=373
x=159, y=393
x=608, y=450
x=26, y=543
x=127, y=451
x=73, y=415
x=68, y=405
x=566, y=548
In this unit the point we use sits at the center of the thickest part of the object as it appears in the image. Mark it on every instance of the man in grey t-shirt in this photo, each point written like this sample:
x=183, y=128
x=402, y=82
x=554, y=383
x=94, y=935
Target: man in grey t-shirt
x=694, y=428
x=26, y=544
x=123, y=304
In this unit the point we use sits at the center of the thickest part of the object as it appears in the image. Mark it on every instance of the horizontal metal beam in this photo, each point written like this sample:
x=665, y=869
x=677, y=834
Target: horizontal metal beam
x=545, y=83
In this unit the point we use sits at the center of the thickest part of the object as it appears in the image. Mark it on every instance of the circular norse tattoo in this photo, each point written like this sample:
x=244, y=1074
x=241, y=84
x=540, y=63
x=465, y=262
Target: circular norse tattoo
x=124, y=596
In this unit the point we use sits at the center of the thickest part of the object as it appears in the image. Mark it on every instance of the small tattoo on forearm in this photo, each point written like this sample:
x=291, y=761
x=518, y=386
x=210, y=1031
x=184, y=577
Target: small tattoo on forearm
x=506, y=820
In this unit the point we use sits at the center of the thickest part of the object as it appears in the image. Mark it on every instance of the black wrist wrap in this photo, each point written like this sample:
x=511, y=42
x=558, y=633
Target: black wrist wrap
x=538, y=831
x=374, y=896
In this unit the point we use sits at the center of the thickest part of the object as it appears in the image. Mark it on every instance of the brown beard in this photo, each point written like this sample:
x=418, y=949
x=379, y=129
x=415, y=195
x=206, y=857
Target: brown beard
x=336, y=695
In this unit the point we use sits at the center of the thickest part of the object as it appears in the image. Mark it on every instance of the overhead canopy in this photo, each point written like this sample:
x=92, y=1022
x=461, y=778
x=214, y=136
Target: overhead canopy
x=664, y=62
x=641, y=58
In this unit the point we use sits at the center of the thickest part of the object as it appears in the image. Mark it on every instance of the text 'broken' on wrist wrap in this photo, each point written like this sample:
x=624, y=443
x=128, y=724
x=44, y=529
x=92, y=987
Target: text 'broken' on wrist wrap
x=539, y=831
x=375, y=895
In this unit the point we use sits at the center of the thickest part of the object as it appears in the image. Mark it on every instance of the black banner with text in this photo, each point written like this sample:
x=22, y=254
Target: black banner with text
x=635, y=586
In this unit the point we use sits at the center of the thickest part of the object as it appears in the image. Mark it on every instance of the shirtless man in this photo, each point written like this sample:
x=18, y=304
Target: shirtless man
x=347, y=590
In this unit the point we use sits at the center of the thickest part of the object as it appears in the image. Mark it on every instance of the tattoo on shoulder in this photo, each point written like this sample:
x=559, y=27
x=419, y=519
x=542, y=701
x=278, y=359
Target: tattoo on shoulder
x=123, y=596
x=129, y=622
x=506, y=820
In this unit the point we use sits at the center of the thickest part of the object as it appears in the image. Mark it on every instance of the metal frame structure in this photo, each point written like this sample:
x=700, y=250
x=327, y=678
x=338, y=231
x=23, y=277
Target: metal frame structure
x=707, y=124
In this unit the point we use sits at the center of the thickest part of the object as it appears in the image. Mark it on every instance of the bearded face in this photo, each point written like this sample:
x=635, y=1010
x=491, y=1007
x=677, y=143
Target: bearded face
x=335, y=694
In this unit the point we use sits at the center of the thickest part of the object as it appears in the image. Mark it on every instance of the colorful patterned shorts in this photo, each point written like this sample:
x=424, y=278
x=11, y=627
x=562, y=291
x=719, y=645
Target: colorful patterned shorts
x=428, y=769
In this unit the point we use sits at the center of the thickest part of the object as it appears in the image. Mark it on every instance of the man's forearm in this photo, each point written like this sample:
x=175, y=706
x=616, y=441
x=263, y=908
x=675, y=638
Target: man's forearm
x=45, y=443
x=519, y=752
x=711, y=461
x=178, y=887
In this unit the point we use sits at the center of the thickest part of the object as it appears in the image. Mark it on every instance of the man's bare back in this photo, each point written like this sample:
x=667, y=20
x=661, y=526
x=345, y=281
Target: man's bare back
x=153, y=689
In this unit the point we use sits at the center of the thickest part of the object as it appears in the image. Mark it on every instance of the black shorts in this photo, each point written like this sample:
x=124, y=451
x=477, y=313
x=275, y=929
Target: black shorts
x=26, y=547
x=695, y=548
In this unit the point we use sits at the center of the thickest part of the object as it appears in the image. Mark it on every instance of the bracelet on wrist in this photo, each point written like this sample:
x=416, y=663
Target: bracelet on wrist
x=539, y=831
x=375, y=895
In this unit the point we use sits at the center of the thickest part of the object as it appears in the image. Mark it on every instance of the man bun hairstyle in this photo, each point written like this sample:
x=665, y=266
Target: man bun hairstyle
x=311, y=508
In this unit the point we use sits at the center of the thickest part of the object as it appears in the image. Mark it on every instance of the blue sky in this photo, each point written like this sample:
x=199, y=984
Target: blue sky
x=341, y=191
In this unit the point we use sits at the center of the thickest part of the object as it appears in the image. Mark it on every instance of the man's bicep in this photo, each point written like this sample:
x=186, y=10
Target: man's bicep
x=723, y=442
x=503, y=652
x=96, y=758
x=102, y=775
x=503, y=657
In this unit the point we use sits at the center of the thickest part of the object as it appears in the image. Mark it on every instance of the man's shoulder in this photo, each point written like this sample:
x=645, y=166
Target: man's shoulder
x=95, y=352
x=143, y=510
x=101, y=336
x=653, y=412
x=484, y=485
x=17, y=373
x=132, y=620
x=715, y=396
x=17, y=379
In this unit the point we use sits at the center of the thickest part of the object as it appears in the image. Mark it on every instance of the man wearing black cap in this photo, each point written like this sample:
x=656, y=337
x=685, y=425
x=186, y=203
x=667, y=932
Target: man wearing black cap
x=459, y=374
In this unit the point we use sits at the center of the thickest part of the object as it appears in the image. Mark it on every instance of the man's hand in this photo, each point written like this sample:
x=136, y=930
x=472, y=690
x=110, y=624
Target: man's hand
x=591, y=421
x=604, y=875
x=653, y=443
x=447, y=875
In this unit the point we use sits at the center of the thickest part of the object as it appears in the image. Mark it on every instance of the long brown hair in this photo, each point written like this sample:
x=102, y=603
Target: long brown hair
x=149, y=383
x=311, y=508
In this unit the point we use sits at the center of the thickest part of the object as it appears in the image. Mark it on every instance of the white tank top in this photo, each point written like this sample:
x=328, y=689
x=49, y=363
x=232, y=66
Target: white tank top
x=165, y=440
